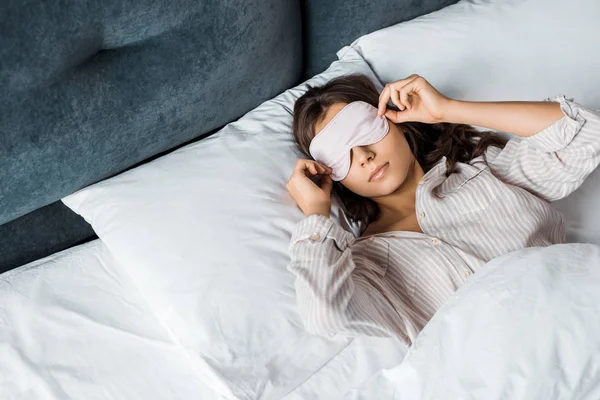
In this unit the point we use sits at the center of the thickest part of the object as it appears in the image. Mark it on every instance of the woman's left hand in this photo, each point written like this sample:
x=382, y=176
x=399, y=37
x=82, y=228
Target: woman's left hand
x=417, y=100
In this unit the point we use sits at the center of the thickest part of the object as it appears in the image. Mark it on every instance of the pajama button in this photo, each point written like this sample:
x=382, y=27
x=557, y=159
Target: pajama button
x=423, y=180
x=315, y=236
x=422, y=215
x=435, y=241
x=467, y=273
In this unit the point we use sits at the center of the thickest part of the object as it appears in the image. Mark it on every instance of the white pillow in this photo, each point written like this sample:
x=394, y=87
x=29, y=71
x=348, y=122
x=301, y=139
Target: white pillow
x=499, y=50
x=204, y=232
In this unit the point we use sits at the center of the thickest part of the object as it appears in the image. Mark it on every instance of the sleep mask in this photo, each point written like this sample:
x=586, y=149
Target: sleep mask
x=357, y=124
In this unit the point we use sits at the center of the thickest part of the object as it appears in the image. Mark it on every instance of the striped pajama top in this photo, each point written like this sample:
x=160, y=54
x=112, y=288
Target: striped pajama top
x=391, y=283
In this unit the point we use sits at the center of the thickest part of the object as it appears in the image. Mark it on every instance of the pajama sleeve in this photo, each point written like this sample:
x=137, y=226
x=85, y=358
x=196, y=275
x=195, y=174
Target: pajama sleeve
x=555, y=161
x=333, y=295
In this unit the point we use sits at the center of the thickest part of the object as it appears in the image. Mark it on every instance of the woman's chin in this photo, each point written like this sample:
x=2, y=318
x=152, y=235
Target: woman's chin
x=385, y=188
x=393, y=184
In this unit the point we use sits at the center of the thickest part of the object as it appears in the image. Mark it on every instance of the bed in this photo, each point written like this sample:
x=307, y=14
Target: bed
x=145, y=228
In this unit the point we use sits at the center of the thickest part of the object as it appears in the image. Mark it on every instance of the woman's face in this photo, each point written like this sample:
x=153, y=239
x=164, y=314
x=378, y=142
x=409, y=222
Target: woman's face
x=392, y=150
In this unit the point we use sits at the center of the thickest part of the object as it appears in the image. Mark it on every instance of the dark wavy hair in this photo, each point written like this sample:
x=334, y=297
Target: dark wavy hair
x=428, y=142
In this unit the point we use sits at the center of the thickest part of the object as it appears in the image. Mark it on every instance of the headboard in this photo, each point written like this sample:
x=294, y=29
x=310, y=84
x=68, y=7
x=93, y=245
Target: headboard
x=89, y=89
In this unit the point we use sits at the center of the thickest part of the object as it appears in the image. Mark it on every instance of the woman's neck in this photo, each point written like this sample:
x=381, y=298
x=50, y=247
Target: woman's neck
x=401, y=203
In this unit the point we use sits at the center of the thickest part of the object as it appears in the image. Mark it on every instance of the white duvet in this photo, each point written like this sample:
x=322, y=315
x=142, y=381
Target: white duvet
x=527, y=326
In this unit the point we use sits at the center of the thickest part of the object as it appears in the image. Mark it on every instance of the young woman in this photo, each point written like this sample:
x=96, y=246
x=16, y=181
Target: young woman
x=438, y=199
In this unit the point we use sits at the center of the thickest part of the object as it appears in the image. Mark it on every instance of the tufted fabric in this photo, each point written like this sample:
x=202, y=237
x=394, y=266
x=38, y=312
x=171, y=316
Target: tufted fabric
x=89, y=88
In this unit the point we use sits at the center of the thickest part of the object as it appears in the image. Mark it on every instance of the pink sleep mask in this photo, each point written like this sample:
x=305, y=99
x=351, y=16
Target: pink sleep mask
x=357, y=124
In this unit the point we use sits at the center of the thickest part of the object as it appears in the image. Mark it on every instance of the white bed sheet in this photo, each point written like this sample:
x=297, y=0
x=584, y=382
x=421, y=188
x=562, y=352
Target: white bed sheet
x=72, y=326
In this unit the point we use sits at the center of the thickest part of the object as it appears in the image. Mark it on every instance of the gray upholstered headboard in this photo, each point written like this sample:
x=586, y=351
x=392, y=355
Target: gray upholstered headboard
x=89, y=89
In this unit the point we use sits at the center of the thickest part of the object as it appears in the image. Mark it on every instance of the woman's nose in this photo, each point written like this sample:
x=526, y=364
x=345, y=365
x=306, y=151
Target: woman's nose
x=361, y=154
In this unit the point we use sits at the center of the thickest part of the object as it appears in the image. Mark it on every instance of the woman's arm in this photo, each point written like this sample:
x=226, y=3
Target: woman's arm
x=555, y=161
x=418, y=101
x=522, y=118
x=333, y=297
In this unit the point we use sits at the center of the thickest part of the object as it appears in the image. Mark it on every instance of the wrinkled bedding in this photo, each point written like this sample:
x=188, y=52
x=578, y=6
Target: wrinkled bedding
x=527, y=326
x=73, y=326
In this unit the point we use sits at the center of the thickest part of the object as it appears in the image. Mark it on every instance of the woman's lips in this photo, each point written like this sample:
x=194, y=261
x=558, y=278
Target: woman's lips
x=379, y=175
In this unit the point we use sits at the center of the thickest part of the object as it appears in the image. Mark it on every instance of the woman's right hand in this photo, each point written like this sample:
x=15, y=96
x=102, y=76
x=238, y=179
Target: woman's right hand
x=311, y=198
